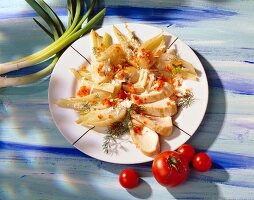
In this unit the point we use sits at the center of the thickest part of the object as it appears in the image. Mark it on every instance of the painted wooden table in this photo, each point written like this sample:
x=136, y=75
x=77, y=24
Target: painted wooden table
x=37, y=163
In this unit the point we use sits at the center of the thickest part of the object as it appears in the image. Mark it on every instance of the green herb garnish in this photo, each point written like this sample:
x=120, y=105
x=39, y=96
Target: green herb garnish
x=94, y=50
x=186, y=100
x=97, y=96
x=118, y=129
x=114, y=132
x=86, y=107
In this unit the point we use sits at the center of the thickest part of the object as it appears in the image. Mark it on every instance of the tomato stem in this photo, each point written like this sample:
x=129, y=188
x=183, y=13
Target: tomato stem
x=172, y=163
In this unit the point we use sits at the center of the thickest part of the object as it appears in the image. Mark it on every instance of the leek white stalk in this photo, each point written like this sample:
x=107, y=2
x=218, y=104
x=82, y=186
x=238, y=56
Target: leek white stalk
x=22, y=80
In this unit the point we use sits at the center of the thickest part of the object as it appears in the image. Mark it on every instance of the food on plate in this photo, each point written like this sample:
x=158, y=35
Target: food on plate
x=129, y=178
x=202, y=162
x=131, y=86
x=161, y=125
x=144, y=138
x=170, y=168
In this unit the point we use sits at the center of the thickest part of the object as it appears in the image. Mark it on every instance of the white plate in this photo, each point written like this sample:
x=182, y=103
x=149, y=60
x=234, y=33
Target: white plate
x=63, y=85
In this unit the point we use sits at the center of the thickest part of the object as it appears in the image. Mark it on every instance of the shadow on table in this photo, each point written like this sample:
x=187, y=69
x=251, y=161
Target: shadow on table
x=198, y=185
x=143, y=191
x=214, y=118
x=201, y=185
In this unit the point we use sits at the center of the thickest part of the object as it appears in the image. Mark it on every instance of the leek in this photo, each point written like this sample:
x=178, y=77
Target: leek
x=63, y=38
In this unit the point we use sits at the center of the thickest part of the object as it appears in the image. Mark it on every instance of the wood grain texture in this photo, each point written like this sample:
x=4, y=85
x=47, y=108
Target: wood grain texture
x=37, y=163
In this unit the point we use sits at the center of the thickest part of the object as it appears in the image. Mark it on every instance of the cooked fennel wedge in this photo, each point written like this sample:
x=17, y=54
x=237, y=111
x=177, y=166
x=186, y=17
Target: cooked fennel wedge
x=104, y=117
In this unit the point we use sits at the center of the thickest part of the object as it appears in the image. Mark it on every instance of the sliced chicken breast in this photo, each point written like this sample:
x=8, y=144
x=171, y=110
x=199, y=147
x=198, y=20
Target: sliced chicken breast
x=145, y=139
x=161, y=125
x=153, y=96
x=162, y=108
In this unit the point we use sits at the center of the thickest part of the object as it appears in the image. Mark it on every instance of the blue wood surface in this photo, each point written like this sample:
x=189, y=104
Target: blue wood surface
x=36, y=162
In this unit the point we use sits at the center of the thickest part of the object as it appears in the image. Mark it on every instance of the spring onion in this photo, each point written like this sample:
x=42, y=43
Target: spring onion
x=62, y=39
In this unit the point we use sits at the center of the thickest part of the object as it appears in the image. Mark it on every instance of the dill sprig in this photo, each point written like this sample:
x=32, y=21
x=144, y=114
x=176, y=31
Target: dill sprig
x=115, y=131
x=186, y=100
x=97, y=96
x=135, y=109
x=118, y=129
x=86, y=107
x=94, y=50
x=83, y=108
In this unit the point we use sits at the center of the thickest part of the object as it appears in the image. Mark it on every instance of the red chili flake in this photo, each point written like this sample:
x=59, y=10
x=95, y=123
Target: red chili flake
x=83, y=68
x=144, y=54
x=138, y=100
x=100, y=116
x=160, y=84
x=134, y=106
x=172, y=98
x=163, y=78
x=169, y=68
x=138, y=129
x=106, y=102
x=120, y=74
x=123, y=94
x=131, y=88
x=150, y=62
x=179, y=83
x=110, y=117
x=114, y=67
x=83, y=91
x=98, y=49
x=100, y=71
x=125, y=64
x=117, y=49
x=170, y=81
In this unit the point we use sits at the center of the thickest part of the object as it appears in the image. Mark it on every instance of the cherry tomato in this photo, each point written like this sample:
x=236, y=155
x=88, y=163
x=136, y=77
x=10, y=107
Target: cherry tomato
x=170, y=168
x=202, y=162
x=187, y=151
x=129, y=178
